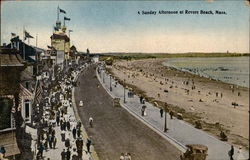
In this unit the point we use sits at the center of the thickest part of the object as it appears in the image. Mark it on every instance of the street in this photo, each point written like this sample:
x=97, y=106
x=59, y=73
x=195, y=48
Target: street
x=114, y=130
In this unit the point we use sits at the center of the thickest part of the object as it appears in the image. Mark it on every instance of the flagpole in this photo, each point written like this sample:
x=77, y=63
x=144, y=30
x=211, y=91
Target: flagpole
x=36, y=40
x=36, y=57
x=58, y=13
x=23, y=43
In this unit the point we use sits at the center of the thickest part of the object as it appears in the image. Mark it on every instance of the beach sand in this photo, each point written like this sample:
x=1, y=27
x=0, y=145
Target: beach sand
x=166, y=84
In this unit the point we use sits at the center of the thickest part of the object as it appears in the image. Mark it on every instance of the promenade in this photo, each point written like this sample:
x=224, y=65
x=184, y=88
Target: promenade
x=116, y=131
x=179, y=133
x=63, y=98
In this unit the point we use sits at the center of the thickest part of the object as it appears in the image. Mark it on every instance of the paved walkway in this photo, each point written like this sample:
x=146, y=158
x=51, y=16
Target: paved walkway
x=180, y=133
x=55, y=154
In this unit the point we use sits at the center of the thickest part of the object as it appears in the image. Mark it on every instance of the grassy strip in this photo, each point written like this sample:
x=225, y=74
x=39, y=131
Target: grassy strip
x=129, y=56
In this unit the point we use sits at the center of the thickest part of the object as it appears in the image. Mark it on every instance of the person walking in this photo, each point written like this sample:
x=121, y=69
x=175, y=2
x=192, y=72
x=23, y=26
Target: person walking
x=63, y=135
x=78, y=126
x=53, y=133
x=63, y=155
x=61, y=124
x=129, y=156
x=51, y=142
x=68, y=125
x=67, y=143
x=74, y=133
x=54, y=142
x=141, y=98
x=88, y=144
x=75, y=155
x=57, y=119
x=64, y=125
x=122, y=156
x=68, y=154
x=171, y=114
x=91, y=122
x=40, y=150
x=231, y=152
x=143, y=108
x=161, y=112
x=78, y=132
x=3, y=151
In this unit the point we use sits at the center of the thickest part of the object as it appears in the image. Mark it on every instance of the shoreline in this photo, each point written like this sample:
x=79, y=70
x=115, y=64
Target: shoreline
x=199, y=73
x=148, y=78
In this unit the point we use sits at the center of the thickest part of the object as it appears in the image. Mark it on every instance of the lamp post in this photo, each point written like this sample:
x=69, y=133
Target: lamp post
x=124, y=100
x=103, y=76
x=110, y=87
x=165, y=123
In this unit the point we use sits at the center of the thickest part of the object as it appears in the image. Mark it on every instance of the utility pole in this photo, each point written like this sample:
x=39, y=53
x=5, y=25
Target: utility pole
x=103, y=76
x=110, y=87
x=165, y=123
x=124, y=100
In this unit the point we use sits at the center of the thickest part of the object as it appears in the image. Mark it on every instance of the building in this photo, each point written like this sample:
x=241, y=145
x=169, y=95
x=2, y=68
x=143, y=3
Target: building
x=11, y=66
x=28, y=53
x=61, y=43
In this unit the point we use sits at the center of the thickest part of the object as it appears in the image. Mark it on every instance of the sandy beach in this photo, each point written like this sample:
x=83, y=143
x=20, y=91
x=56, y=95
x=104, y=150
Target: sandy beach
x=197, y=98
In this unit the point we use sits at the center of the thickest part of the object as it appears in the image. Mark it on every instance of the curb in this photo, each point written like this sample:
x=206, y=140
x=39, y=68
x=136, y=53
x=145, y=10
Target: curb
x=93, y=155
x=174, y=142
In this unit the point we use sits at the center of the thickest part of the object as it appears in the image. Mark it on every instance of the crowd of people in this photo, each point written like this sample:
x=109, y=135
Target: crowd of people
x=59, y=124
x=126, y=156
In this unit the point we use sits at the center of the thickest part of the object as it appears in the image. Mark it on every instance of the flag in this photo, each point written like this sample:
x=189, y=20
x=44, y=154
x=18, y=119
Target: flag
x=62, y=11
x=13, y=34
x=27, y=35
x=38, y=92
x=66, y=19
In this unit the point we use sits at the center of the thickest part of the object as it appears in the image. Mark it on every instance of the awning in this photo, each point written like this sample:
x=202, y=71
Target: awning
x=8, y=141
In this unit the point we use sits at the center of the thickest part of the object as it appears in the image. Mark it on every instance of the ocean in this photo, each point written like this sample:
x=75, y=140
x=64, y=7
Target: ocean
x=233, y=70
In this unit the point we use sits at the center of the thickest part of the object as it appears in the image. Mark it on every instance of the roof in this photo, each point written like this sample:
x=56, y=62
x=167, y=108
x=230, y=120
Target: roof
x=26, y=75
x=23, y=47
x=8, y=141
x=10, y=57
x=73, y=48
x=60, y=36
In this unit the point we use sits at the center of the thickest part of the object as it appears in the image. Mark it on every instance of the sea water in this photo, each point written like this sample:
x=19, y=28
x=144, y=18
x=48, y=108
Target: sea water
x=233, y=70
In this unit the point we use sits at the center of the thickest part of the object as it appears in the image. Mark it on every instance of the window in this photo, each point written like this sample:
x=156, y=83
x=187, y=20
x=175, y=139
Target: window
x=27, y=85
x=26, y=109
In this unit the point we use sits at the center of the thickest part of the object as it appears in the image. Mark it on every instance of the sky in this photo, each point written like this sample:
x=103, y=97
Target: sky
x=116, y=26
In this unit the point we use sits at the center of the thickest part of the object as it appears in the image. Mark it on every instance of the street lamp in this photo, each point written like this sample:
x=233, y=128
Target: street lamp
x=110, y=88
x=103, y=76
x=124, y=100
x=165, y=123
